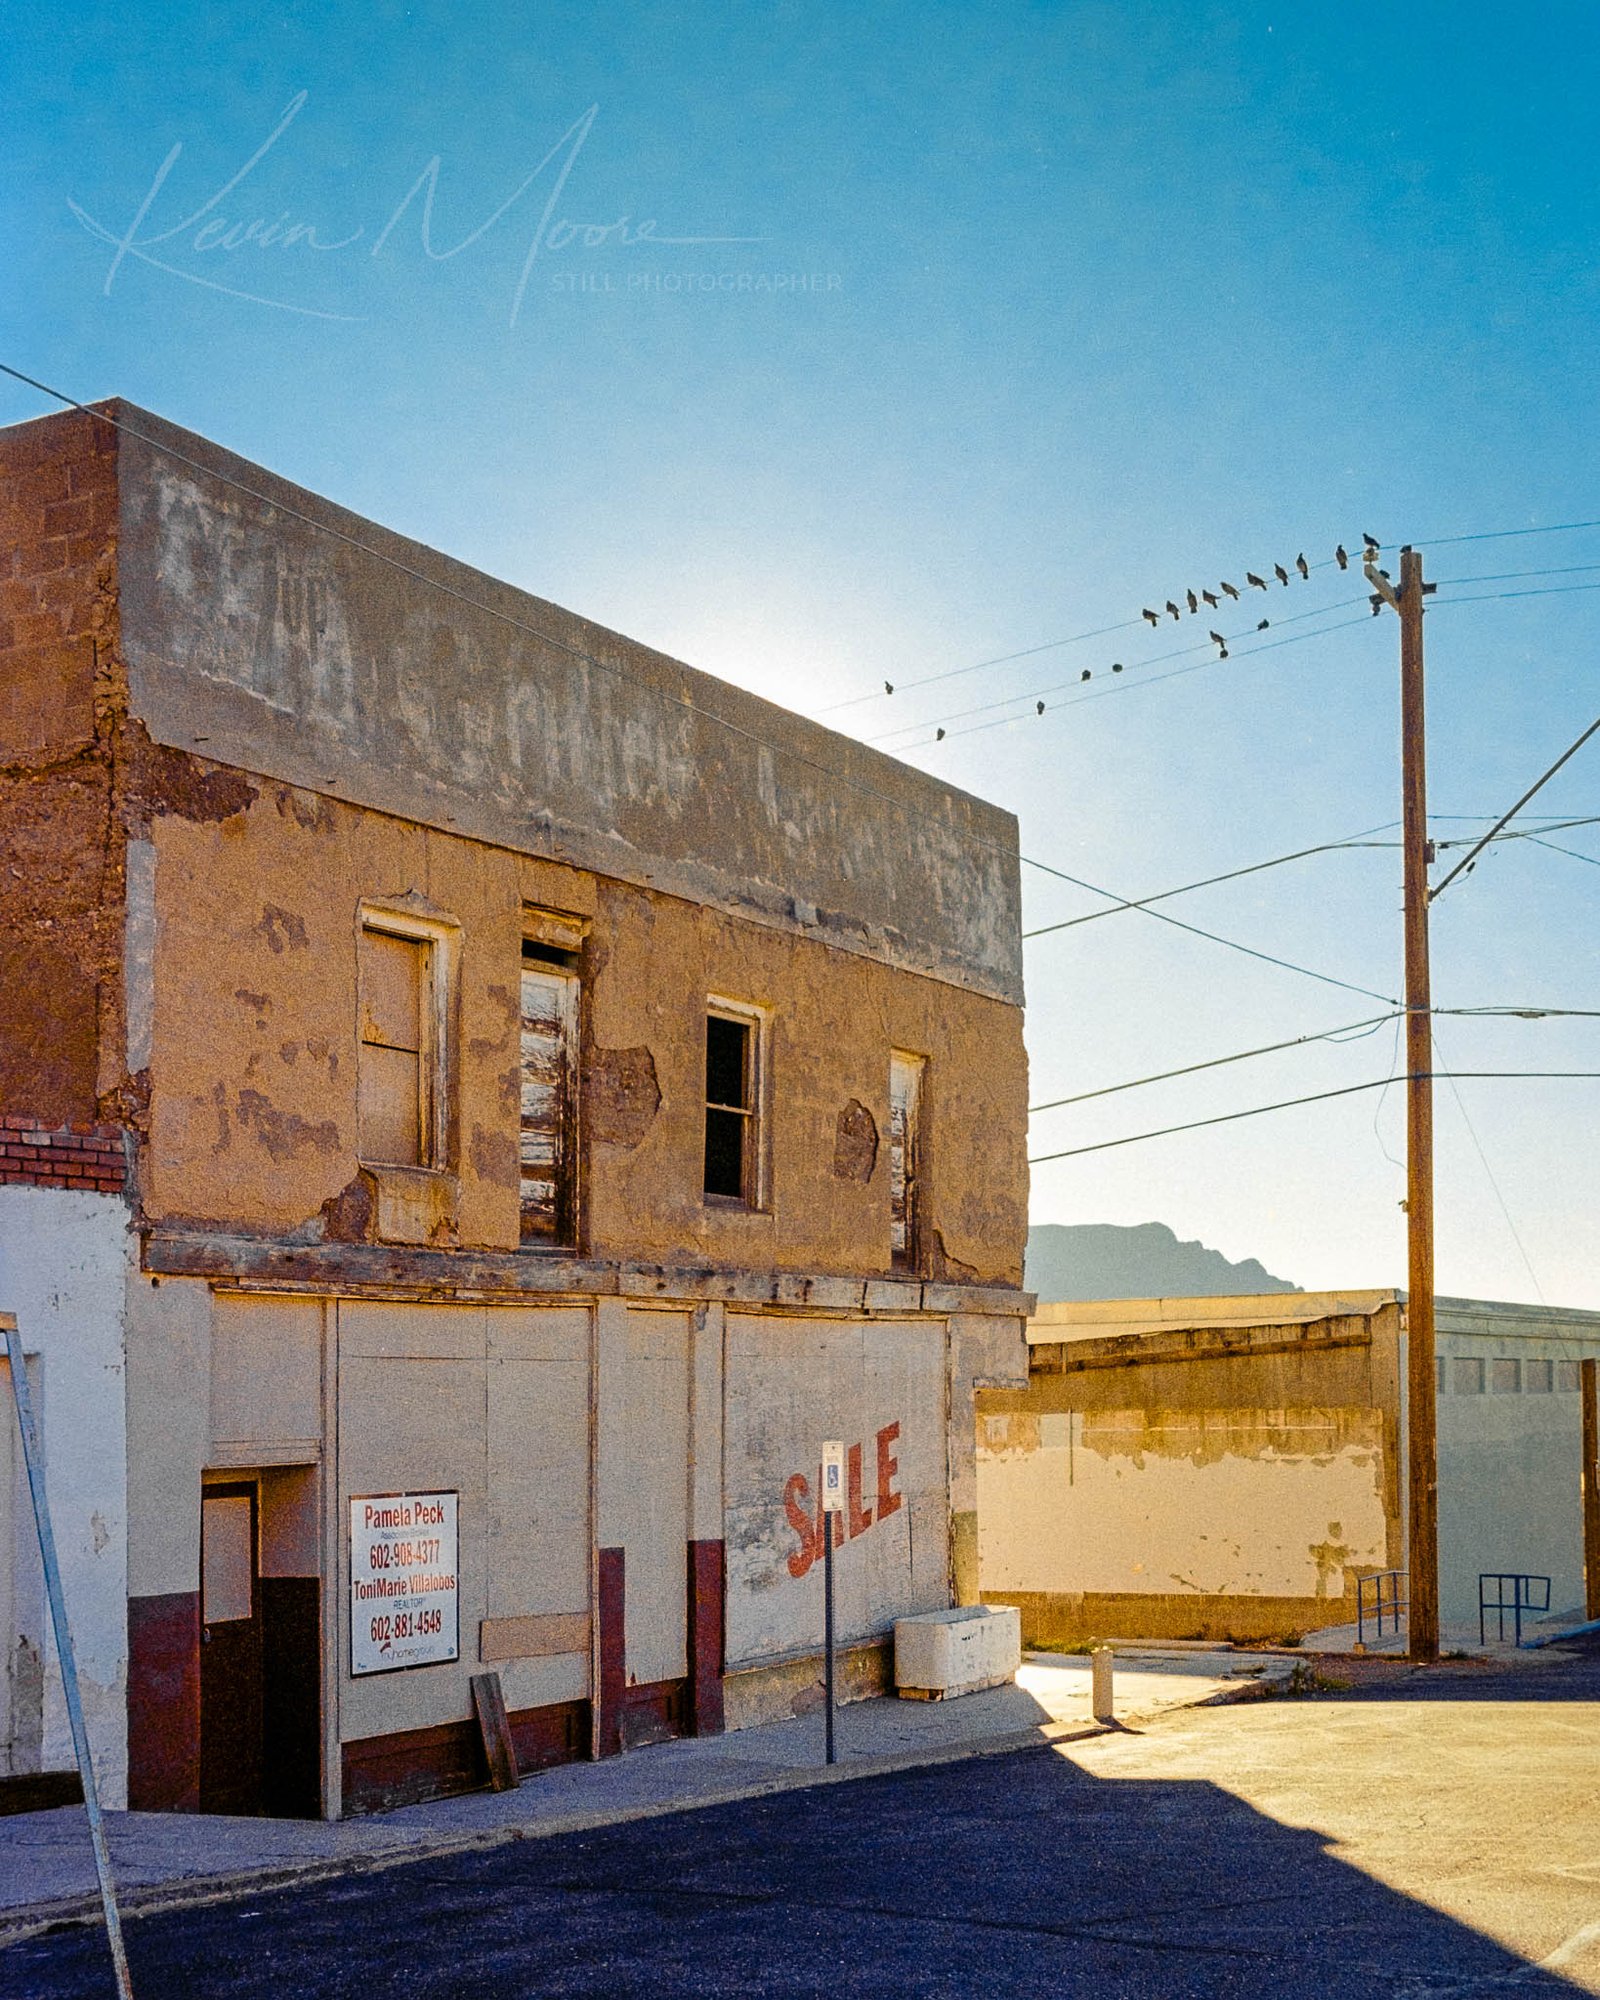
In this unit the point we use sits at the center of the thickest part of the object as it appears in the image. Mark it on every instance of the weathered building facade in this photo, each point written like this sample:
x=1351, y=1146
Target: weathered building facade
x=1228, y=1468
x=482, y=1101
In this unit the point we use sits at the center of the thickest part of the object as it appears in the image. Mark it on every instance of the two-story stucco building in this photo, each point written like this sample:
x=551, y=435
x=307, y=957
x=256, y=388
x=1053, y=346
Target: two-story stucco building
x=481, y=1103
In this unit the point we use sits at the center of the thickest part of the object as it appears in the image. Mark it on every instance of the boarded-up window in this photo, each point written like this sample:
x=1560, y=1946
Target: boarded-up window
x=905, y=1162
x=548, y=1137
x=1467, y=1375
x=396, y=1089
x=1537, y=1377
x=733, y=1099
x=1505, y=1376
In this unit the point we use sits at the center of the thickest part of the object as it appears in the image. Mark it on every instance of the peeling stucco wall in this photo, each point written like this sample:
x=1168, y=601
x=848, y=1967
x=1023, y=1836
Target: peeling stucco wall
x=1214, y=1502
x=254, y=1052
x=1225, y=1496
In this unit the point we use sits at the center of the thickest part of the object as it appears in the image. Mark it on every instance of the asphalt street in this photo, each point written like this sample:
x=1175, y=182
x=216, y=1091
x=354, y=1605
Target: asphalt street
x=1427, y=1838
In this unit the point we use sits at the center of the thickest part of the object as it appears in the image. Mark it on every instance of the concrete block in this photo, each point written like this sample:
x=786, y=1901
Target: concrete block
x=944, y=1653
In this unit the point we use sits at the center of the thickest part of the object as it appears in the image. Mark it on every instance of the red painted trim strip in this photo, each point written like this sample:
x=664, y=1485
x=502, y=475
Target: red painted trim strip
x=613, y=1648
x=707, y=1588
x=164, y=1703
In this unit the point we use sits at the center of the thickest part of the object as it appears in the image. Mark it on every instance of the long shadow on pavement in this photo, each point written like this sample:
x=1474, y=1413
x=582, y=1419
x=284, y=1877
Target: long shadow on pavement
x=998, y=1876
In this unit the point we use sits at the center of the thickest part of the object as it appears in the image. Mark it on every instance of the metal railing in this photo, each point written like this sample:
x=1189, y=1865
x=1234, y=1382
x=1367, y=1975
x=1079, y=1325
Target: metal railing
x=1522, y=1599
x=1383, y=1594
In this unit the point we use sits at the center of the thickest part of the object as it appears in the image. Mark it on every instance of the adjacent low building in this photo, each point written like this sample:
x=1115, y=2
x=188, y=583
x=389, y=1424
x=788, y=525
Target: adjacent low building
x=1230, y=1467
x=480, y=1102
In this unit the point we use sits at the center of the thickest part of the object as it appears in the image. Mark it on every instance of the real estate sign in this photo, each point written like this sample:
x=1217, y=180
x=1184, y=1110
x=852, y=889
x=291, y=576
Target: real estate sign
x=404, y=1583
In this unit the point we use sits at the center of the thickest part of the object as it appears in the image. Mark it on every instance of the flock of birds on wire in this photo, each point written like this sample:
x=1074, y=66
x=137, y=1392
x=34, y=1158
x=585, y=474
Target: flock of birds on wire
x=1195, y=599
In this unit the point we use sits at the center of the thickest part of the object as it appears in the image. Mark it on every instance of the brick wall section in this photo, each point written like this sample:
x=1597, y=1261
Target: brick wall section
x=87, y=1157
x=60, y=705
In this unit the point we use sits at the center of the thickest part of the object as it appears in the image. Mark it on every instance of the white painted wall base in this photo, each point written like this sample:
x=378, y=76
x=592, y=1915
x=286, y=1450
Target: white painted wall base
x=64, y=1261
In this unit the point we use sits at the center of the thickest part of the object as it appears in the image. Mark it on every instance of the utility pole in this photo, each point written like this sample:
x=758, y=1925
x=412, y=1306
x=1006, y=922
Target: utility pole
x=1421, y=1380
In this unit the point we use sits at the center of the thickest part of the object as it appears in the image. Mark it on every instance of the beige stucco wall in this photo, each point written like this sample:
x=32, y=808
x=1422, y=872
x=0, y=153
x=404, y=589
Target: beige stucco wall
x=253, y=1050
x=1229, y=1496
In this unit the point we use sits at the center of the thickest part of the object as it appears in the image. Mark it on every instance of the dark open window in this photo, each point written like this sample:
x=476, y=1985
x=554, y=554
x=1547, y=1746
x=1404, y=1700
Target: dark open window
x=731, y=1079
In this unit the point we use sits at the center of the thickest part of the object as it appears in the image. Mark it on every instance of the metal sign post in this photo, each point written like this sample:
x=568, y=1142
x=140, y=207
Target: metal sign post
x=34, y=1460
x=832, y=1507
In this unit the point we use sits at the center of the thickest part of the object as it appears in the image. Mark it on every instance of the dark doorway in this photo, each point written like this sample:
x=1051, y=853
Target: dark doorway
x=231, y=1760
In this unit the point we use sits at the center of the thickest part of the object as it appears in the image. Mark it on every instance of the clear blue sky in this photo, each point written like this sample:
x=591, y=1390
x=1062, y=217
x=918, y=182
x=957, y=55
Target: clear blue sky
x=1046, y=314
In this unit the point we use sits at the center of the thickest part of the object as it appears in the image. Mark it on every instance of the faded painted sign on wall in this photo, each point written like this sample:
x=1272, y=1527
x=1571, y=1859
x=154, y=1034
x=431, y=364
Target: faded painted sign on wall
x=880, y=1388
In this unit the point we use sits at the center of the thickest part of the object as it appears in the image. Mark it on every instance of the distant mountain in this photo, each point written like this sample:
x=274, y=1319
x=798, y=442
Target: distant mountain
x=1102, y=1260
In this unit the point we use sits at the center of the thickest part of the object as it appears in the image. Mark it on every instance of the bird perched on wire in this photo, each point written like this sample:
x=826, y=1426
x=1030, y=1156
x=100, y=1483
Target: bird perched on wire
x=1303, y=566
x=1173, y=609
x=1154, y=617
x=1229, y=591
x=1281, y=574
x=1038, y=708
x=888, y=687
x=938, y=736
x=1194, y=602
x=1212, y=601
x=1372, y=542
x=1340, y=557
x=1217, y=639
x=1086, y=675
x=1116, y=666
x=1262, y=624
x=1251, y=577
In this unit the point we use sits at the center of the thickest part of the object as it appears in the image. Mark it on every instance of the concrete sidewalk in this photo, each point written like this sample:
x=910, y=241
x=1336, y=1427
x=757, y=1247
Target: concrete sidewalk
x=167, y=1859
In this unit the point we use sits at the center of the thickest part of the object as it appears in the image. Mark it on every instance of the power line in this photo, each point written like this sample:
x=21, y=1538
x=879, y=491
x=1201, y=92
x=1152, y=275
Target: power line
x=954, y=673
x=1503, y=534
x=1546, y=825
x=1140, y=682
x=1355, y=843
x=1500, y=596
x=1061, y=687
x=1538, y=784
x=1210, y=881
x=1518, y=575
x=1554, y=848
x=1305, y=570
x=1128, y=624
x=1212, y=937
x=1354, y=1030
x=1289, y=1103
x=1489, y=1173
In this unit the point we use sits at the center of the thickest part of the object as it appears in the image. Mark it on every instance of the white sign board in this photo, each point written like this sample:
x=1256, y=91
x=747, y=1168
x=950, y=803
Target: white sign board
x=404, y=1596
x=833, y=1477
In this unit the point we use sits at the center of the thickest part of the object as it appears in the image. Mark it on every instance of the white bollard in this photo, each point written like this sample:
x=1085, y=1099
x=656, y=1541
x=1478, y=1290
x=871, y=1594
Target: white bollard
x=1100, y=1684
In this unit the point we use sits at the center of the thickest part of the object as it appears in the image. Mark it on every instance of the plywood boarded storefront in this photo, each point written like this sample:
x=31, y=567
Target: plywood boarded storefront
x=880, y=1386
x=492, y=1404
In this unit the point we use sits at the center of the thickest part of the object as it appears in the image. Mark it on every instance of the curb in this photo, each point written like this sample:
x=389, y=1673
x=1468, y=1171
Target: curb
x=196, y=1891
